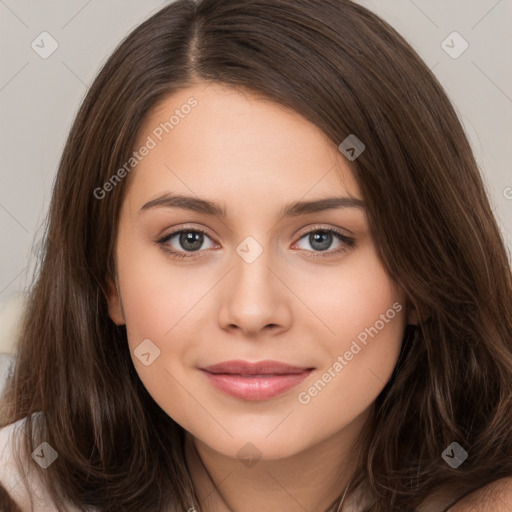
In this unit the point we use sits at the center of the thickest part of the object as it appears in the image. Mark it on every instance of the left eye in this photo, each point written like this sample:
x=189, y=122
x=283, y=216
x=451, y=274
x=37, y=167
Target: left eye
x=321, y=239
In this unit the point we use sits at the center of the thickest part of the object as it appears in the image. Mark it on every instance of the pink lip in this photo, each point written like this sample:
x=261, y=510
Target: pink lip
x=255, y=381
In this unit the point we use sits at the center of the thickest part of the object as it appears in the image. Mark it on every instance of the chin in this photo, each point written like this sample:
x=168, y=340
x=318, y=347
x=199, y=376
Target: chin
x=255, y=441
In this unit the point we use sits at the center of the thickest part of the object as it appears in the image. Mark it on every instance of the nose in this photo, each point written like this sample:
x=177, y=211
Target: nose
x=254, y=299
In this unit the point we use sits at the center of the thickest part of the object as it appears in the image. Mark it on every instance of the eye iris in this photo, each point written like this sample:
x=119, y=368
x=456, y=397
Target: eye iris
x=322, y=238
x=192, y=237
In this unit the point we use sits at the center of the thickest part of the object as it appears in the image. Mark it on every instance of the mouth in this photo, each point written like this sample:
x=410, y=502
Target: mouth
x=255, y=381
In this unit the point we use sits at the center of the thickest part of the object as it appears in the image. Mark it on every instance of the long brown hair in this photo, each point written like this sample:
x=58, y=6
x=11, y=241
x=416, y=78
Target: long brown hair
x=348, y=72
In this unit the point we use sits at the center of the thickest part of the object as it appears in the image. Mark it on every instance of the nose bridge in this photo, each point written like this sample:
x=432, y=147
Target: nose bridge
x=251, y=279
x=252, y=269
x=252, y=298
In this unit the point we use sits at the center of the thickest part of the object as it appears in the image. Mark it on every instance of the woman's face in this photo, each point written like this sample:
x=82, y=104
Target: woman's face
x=267, y=281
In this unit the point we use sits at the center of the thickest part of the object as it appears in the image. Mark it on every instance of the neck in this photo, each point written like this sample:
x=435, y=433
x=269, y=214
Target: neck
x=312, y=479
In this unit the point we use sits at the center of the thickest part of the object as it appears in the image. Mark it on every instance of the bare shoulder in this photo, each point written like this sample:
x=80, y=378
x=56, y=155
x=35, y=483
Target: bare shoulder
x=494, y=497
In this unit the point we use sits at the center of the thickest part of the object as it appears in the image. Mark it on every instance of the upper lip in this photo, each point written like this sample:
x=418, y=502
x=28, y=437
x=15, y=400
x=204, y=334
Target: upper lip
x=266, y=367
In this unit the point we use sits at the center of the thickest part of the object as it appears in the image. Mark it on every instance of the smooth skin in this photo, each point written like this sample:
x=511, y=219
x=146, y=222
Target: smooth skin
x=254, y=157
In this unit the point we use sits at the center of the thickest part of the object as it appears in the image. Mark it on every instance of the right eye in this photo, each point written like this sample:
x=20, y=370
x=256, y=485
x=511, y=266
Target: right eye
x=181, y=241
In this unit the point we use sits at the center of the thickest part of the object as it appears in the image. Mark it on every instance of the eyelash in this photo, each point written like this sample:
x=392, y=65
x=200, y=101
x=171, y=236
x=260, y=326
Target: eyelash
x=349, y=242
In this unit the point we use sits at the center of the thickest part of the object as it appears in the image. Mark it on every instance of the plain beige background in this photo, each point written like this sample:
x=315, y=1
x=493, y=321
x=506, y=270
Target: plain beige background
x=40, y=96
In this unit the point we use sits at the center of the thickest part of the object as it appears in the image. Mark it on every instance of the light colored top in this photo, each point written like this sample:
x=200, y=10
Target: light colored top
x=11, y=476
x=7, y=362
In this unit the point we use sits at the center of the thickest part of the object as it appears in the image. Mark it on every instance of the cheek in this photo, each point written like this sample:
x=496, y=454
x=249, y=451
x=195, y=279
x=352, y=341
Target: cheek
x=346, y=300
x=363, y=311
x=162, y=305
x=156, y=301
x=157, y=296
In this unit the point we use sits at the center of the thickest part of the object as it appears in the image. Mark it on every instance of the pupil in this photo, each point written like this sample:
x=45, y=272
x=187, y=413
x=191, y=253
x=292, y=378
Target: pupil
x=321, y=240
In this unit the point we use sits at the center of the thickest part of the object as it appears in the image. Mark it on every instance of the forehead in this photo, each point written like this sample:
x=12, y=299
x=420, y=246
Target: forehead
x=227, y=144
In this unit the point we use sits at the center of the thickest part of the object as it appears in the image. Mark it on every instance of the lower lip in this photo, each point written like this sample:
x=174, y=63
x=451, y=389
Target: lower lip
x=257, y=387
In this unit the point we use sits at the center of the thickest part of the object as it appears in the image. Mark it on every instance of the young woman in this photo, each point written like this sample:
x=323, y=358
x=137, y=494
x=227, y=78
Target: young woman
x=272, y=280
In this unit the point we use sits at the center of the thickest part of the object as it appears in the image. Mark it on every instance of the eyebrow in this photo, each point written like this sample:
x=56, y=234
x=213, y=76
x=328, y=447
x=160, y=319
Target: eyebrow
x=291, y=210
